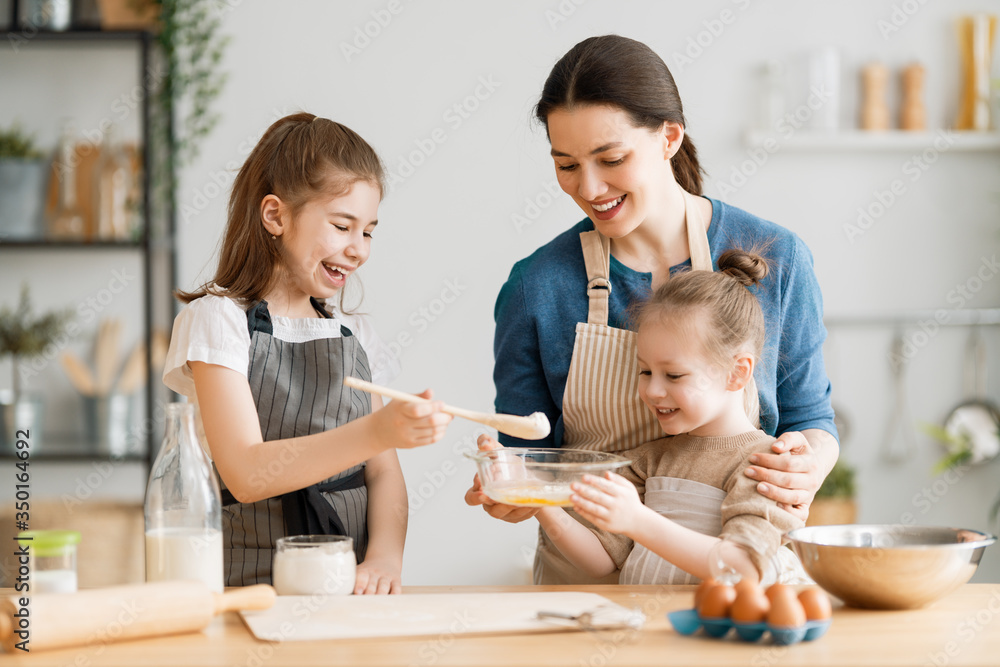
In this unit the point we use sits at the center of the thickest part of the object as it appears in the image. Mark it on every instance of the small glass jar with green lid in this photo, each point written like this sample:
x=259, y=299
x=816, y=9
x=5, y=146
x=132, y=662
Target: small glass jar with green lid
x=51, y=560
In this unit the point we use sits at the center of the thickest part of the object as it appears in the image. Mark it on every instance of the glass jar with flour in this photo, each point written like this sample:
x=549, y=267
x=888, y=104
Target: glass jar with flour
x=315, y=565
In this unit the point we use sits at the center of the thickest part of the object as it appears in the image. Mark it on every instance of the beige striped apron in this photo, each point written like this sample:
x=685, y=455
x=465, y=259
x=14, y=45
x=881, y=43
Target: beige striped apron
x=696, y=506
x=601, y=405
x=691, y=504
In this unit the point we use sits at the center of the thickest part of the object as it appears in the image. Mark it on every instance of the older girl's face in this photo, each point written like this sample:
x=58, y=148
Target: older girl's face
x=617, y=174
x=329, y=239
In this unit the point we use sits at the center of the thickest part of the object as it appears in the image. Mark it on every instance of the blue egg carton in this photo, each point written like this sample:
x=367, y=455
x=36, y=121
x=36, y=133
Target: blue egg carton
x=688, y=621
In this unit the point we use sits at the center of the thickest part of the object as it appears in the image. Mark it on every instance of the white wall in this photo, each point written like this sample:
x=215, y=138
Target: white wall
x=451, y=222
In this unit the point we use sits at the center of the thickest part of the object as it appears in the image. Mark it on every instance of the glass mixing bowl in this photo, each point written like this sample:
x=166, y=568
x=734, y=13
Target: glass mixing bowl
x=538, y=477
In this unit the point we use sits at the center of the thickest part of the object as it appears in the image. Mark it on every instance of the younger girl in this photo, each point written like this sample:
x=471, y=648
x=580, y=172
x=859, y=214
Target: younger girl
x=699, y=339
x=263, y=354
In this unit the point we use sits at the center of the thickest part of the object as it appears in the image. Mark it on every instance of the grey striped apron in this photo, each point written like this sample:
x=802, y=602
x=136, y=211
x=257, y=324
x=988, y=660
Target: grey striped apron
x=298, y=390
x=601, y=405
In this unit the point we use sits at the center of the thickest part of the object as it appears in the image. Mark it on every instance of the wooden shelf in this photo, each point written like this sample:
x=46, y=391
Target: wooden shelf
x=892, y=140
x=68, y=449
x=42, y=244
x=22, y=36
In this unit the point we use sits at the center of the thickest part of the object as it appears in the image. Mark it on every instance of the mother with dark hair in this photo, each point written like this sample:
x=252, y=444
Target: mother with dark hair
x=616, y=126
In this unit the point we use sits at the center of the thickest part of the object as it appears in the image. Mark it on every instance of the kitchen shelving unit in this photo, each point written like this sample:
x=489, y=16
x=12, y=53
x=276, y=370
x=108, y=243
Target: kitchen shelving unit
x=155, y=246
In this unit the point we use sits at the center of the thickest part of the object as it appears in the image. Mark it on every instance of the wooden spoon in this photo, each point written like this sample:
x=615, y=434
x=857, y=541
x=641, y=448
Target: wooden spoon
x=106, y=354
x=78, y=373
x=134, y=373
x=532, y=427
x=160, y=346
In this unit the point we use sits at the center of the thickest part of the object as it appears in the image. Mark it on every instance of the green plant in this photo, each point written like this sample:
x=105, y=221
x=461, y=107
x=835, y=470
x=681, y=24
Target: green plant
x=182, y=112
x=14, y=143
x=839, y=483
x=959, y=452
x=23, y=335
x=958, y=447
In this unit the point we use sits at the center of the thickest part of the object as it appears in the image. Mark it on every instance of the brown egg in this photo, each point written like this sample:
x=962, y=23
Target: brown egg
x=750, y=605
x=717, y=601
x=747, y=586
x=750, y=608
x=786, y=610
x=699, y=592
x=778, y=589
x=816, y=604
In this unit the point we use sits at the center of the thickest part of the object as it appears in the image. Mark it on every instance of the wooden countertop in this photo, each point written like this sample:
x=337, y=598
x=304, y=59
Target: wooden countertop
x=961, y=629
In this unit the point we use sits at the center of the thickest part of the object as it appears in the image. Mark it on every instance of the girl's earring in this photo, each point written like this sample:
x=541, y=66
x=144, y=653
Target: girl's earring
x=273, y=237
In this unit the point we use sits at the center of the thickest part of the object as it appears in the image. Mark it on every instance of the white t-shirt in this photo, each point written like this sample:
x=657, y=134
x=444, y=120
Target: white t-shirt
x=213, y=329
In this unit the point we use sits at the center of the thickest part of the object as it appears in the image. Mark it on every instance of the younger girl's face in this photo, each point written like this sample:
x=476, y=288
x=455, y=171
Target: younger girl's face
x=684, y=389
x=615, y=172
x=329, y=239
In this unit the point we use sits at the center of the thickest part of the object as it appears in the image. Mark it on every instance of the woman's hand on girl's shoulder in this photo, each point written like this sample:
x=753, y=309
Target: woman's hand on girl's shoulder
x=793, y=473
x=407, y=425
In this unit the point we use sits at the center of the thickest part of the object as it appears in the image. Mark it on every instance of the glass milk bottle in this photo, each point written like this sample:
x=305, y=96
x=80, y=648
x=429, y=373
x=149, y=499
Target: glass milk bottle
x=183, y=507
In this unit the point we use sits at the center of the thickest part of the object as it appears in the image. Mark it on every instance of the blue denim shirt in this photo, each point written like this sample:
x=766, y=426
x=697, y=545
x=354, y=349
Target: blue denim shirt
x=546, y=295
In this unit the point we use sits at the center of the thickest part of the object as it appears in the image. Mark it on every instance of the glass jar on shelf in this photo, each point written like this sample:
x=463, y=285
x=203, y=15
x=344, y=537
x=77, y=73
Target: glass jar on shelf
x=113, y=189
x=67, y=221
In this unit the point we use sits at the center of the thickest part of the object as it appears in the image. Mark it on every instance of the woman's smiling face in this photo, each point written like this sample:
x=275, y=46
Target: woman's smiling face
x=616, y=173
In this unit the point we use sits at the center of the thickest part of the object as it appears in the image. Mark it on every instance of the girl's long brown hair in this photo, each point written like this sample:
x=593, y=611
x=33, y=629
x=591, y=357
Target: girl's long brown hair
x=623, y=73
x=300, y=157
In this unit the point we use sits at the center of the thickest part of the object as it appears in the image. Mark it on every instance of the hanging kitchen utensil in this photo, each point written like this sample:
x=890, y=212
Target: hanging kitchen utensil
x=840, y=418
x=975, y=422
x=897, y=443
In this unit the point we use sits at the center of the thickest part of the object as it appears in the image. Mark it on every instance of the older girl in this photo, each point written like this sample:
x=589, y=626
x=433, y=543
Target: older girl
x=263, y=348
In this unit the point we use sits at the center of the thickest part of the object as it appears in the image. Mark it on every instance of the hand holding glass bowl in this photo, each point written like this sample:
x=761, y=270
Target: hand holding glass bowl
x=538, y=477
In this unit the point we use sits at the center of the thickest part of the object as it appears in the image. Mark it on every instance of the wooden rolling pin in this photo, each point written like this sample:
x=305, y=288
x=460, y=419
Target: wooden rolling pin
x=105, y=615
x=533, y=427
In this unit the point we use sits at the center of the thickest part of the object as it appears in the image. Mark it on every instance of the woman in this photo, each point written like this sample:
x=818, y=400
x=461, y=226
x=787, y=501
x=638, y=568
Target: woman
x=617, y=130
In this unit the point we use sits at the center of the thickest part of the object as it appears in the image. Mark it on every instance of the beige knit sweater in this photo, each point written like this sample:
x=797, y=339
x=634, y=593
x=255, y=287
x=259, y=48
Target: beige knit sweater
x=718, y=462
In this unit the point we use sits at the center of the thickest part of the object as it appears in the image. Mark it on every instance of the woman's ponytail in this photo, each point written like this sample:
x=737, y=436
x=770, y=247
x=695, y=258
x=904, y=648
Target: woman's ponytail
x=687, y=171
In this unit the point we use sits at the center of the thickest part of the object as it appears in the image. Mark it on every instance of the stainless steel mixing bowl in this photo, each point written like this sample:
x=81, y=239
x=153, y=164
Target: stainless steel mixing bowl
x=890, y=566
